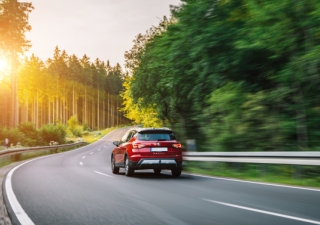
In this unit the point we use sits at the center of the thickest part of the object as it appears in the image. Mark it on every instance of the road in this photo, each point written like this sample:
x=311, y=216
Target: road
x=78, y=187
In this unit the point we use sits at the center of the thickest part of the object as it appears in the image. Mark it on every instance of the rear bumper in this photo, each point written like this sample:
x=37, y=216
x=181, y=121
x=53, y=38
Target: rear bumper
x=158, y=163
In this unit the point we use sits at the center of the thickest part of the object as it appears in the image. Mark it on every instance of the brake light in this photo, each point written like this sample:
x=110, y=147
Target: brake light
x=138, y=146
x=177, y=145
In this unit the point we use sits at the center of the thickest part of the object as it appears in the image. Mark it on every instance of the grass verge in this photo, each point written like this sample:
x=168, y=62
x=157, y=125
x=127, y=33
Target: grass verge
x=96, y=135
x=306, y=176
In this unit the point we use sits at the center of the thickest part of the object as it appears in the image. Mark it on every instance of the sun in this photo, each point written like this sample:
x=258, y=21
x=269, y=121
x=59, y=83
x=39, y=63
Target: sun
x=4, y=68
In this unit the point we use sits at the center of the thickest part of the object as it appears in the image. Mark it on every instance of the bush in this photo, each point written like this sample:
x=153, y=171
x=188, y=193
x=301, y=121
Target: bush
x=14, y=136
x=73, y=122
x=86, y=132
x=74, y=126
x=51, y=132
x=86, y=127
x=31, y=134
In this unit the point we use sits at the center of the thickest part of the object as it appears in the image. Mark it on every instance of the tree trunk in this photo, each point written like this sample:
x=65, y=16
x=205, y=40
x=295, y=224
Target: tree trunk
x=98, y=111
x=73, y=99
x=104, y=113
x=37, y=111
x=85, y=104
x=27, y=107
x=108, y=110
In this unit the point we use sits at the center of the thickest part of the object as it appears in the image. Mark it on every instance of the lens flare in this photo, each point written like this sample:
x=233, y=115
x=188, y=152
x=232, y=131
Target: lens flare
x=4, y=67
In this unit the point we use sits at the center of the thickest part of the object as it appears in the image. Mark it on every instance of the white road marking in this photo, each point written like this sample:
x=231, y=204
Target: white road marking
x=253, y=182
x=103, y=174
x=99, y=149
x=84, y=157
x=81, y=163
x=264, y=212
x=16, y=207
x=105, y=146
x=91, y=153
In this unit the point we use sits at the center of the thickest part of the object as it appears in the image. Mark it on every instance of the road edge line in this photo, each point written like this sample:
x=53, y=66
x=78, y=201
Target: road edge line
x=264, y=212
x=253, y=182
x=15, y=206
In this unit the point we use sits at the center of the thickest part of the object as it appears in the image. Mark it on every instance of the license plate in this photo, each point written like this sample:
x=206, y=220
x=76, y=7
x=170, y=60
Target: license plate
x=158, y=149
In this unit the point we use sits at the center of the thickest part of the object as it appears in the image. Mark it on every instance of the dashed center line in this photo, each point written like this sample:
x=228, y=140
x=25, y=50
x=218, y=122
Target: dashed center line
x=91, y=153
x=84, y=157
x=99, y=149
x=103, y=174
x=264, y=212
x=81, y=163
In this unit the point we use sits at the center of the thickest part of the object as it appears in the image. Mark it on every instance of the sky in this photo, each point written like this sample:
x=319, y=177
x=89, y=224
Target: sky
x=102, y=29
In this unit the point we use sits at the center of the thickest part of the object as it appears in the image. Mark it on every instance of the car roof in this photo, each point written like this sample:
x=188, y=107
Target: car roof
x=152, y=129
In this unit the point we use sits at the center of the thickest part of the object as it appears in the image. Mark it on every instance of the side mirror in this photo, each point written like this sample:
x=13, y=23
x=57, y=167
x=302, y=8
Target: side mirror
x=116, y=143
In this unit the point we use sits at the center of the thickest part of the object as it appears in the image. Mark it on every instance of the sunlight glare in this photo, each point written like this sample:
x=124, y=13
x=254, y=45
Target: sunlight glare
x=4, y=67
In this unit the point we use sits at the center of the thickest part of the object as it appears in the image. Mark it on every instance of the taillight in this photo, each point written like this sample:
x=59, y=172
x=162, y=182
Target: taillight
x=177, y=145
x=138, y=146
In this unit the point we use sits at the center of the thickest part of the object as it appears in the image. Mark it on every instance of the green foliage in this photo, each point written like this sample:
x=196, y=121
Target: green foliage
x=78, y=131
x=73, y=122
x=114, y=79
x=234, y=75
x=136, y=112
x=74, y=126
x=14, y=24
x=53, y=132
x=31, y=134
x=14, y=136
x=86, y=127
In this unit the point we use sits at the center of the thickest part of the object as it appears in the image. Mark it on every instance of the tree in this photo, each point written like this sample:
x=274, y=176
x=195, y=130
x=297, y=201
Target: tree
x=74, y=76
x=136, y=112
x=86, y=80
x=13, y=25
x=34, y=84
x=193, y=68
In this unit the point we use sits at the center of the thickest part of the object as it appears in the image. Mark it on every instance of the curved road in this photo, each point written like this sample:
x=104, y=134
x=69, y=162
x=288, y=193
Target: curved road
x=78, y=187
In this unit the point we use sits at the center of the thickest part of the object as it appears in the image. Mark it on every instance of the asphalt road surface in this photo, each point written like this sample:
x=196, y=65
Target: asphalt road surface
x=78, y=187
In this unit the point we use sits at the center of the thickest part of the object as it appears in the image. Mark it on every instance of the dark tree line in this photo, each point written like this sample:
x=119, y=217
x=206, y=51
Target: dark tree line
x=234, y=75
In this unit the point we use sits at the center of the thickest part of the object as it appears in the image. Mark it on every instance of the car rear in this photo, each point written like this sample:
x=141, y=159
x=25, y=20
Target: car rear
x=156, y=149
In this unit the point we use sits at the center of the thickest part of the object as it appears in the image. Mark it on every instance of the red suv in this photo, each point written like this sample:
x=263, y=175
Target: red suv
x=147, y=148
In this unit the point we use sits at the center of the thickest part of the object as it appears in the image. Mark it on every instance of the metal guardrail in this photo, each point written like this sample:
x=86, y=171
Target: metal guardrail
x=290, y=158
x=21, y=150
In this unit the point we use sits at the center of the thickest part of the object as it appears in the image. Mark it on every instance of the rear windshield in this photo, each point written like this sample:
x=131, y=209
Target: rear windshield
x=155, y=136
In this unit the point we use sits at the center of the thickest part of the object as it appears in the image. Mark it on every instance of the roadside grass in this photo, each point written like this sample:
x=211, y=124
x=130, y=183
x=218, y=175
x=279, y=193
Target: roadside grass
x=96, y=135
x=306, y=176
x=93, y=136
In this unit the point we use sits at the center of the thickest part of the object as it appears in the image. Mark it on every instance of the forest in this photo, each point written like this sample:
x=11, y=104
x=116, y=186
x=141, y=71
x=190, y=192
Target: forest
x=232, y=75
x=44, y=97
x=66, y=86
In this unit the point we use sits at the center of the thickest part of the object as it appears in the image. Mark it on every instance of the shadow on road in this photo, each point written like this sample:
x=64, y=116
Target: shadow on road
x=163, y=175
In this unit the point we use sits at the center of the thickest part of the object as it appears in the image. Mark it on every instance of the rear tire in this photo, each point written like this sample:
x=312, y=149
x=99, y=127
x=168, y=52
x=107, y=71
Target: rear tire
x=176, y=172
x=129, y=171
x=157, y=171
x=114, y=169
